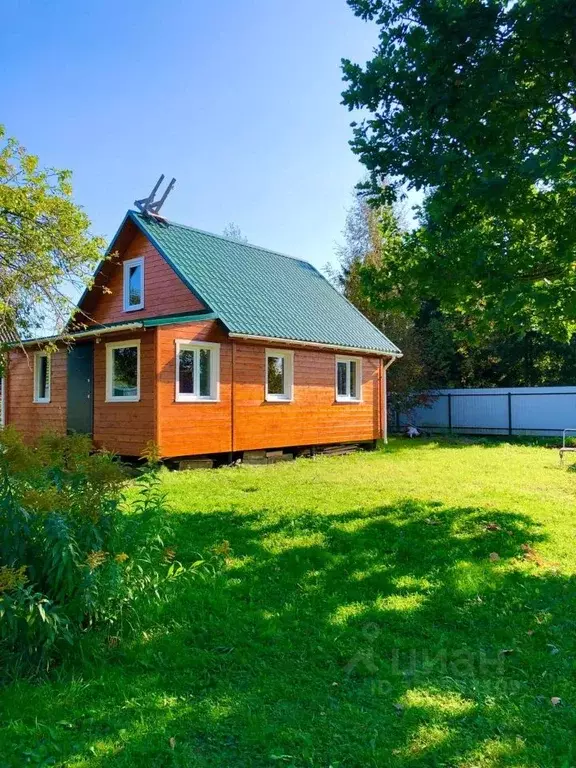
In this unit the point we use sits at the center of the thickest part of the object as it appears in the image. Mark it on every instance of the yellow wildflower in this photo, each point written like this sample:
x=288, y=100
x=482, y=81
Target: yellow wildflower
x=11, y=578
x=223, y=549
x=95, y=559
x=45, y=500
x=121, y=557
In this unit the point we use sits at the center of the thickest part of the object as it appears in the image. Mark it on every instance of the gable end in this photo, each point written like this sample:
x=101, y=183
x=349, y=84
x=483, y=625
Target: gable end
x=165, y=291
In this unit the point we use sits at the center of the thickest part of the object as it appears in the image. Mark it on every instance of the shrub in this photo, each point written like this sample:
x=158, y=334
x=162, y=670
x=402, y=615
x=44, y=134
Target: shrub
x=70, y=559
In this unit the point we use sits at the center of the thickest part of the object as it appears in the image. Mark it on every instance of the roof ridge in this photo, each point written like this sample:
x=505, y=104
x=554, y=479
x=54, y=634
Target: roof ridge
x=256, y=306
x=230, y=239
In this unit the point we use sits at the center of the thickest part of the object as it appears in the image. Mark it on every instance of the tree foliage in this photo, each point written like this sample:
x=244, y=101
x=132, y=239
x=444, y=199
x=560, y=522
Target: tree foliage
x=371, y=236
x=473, y=101
x=46, y=249
x=440, y=350
x=234, y=232
x=459, y=355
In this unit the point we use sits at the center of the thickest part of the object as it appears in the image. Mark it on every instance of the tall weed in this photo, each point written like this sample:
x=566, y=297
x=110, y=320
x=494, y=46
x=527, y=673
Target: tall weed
x=71, y=559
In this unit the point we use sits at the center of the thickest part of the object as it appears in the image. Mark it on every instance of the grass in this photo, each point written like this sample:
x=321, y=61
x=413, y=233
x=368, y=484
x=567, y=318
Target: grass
x=359, y=620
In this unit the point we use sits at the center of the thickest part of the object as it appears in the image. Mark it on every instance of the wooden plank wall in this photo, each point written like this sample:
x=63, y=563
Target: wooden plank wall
x=28, y=417
x=313, y=418
x=164, y=292
x=126, y=428
x=181, y=429
x=192, y=428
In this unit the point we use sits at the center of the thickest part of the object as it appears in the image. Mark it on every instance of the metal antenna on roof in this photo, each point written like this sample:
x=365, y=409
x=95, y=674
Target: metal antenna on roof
x=148, y=206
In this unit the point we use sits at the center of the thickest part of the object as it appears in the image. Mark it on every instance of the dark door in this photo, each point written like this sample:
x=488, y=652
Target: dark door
x=80, y=388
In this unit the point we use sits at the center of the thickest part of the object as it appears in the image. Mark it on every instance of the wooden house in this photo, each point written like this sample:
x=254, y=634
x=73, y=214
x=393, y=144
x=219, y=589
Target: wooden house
x=204, y=345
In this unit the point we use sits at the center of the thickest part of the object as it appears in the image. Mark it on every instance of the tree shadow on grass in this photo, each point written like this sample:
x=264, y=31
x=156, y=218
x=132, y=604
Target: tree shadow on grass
x=382, y=637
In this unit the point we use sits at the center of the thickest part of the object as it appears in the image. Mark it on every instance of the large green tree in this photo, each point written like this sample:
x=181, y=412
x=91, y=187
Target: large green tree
x=46, y=249
x=440, y=350
x=372, y=234
x=473, y=102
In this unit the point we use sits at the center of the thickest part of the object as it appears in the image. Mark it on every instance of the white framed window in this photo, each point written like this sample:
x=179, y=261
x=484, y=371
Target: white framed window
x=123, y=371
x=348, y=379
x=134, y=284
x=197, y=371
x=279, y=375
x=42, y=366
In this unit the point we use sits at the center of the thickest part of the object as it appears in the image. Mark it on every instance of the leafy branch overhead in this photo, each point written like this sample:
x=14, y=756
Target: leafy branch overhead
x=473, y=104
x=46, y=249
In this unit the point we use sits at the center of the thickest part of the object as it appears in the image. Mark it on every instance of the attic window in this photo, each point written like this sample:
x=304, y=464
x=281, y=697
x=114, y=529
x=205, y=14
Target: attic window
x=133, y=284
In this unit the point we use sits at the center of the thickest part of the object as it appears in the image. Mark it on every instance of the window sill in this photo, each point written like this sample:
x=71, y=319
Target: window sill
x=197, y=400
x=41, y=402
x=133, y=309
x=279, y=399
x=122, y=400
x=347, y=401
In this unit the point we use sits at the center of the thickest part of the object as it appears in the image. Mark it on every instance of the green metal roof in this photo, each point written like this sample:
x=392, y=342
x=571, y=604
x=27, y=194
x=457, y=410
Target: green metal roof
x=8, y=334
x=257, y=292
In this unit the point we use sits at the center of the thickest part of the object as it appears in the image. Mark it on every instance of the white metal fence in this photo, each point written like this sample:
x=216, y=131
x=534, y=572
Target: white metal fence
x=543, y=411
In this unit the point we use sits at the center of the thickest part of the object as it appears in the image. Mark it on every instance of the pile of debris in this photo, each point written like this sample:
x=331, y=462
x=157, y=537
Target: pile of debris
x=338, y=450
x=266, y=457
x=272, y=456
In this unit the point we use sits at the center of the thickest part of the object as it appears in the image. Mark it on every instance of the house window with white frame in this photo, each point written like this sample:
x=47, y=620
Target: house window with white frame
x=348, y=379
x=123, y=371
x=197, y=371
x=279, y=375
x=133, y=284
x=42, y=366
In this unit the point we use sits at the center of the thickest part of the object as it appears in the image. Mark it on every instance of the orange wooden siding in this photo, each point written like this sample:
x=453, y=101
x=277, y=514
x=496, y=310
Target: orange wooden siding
x=126, y=428
x=192, y=428
x=242, y=419
x=164, y=292
x=29, y=418
x=314, y=417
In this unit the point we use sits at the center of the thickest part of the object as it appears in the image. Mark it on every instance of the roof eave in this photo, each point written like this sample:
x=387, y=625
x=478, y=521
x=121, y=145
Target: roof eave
x=323, y=345
x=65, y=337
x=121, y=327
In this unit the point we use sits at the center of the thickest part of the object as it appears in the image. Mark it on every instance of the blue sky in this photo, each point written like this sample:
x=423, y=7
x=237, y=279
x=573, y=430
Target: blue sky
x=238, y=99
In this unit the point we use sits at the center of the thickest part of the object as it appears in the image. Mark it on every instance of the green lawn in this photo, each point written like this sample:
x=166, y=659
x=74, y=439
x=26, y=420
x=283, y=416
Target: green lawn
x=359, y=621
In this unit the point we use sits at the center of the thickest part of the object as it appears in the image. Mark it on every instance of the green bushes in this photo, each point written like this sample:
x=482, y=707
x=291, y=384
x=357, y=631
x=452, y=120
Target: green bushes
x=74, y=554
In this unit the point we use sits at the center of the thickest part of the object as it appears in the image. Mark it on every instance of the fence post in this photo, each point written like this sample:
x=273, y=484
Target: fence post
x=449, y=413
x=509, y=413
